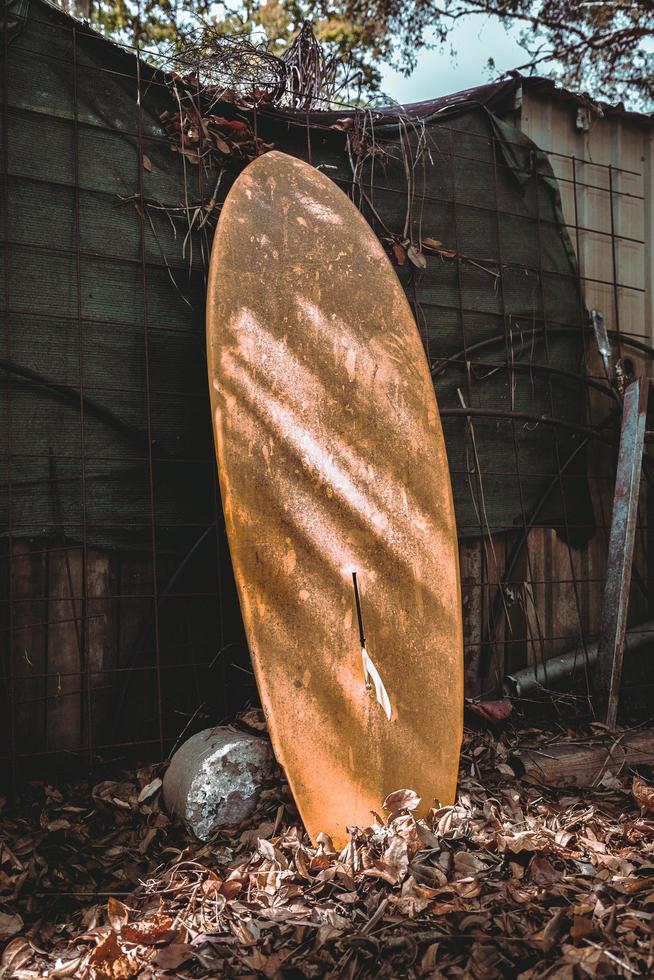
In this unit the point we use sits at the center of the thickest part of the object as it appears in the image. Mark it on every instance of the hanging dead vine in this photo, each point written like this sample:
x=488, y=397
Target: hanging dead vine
x=230, y=68
x=313, y=80
x=242, y=70
x=213, y=70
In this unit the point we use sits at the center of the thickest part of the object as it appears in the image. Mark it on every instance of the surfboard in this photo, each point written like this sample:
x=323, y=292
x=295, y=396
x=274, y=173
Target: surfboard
x=331, y=462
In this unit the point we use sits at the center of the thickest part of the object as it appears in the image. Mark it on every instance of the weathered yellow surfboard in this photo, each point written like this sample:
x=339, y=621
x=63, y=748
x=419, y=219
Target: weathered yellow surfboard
x=332, y=461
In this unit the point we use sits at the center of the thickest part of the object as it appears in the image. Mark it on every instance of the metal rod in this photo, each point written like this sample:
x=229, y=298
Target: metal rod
x=506, y=415
x=602, y=340
x=523, y=683
x=477, y=497
x=614, y=261
x=362, y=634
x=528, y=366
x=621, y=548
x=148, y=405
x=86, y=704
x=557, y=448
x=382, y=188
x=11, y=665
x=510, y=364
x=553, y=327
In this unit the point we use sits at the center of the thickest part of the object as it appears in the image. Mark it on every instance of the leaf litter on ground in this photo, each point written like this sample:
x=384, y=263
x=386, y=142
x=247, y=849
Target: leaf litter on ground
x=513, y=880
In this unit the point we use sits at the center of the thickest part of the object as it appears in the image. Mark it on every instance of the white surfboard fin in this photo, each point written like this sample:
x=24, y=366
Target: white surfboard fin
x=371, y=673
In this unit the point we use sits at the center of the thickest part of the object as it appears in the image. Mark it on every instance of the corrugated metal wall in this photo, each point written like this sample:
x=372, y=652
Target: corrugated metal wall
x=604, y=168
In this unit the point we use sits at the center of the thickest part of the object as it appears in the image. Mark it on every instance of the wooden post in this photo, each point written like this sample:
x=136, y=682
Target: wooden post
x=621, y=549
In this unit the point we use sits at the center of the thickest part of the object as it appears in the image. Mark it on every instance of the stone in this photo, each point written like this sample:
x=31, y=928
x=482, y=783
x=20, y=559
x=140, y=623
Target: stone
x=215, y=778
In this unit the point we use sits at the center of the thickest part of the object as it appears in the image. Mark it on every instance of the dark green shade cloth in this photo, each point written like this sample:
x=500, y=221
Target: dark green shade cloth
x=105, y=428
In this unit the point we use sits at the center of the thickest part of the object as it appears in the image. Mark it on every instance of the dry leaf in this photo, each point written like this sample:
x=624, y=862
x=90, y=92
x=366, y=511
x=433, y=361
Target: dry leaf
x=55, y=825
x=431, y=243
x=117, y=914
x=399, y=253
x=416, y=257
x=266, y=849
x=109, y=961
x=147, y=163
x=589, y=959
x=16, y=953
x=415, y=898
x=110, y=794
x=467, y=863
x=643, y=794
x=553, y=931
x=172, y=956
x=430, y=958
x=394, y=864
x=401, y=799
x=232, y=886
x=147, y=931
x=494, y=712
x=521, y=840
x=246, y=931
x=581, y=927
x=631, y=886
x=222, y=144
x=10, y=924
x=319, y=862
x=302, y=864
x=254, y=718
x=149, y=790
x=542, y=872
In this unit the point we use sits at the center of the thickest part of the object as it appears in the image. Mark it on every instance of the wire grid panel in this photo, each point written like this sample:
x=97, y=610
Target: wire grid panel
x=119, y=613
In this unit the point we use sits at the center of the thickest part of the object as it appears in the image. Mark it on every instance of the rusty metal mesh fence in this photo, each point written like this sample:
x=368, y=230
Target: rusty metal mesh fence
x=119, y=622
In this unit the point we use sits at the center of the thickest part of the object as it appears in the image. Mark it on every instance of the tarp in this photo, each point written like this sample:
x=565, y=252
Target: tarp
x=106, y=429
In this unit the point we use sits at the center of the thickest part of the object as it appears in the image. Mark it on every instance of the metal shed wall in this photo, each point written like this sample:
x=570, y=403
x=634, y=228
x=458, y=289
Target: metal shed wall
x=608, y=162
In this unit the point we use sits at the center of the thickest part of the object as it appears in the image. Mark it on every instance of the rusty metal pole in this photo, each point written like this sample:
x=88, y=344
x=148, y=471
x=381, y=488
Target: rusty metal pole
x=621, y=548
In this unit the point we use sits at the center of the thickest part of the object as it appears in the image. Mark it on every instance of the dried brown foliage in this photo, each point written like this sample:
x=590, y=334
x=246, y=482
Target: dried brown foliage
x=514, y=880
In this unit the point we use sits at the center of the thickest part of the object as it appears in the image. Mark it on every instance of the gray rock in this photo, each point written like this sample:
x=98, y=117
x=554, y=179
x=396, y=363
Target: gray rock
x=215, y=778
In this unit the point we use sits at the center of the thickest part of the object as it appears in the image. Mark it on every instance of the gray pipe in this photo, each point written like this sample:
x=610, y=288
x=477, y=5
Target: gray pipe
x=550, y=673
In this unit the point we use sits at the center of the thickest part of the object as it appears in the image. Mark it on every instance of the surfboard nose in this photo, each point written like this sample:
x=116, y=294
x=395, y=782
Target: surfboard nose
x=331, y=459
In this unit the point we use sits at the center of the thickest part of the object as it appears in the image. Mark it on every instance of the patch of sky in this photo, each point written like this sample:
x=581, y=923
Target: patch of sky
x=440, y=72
